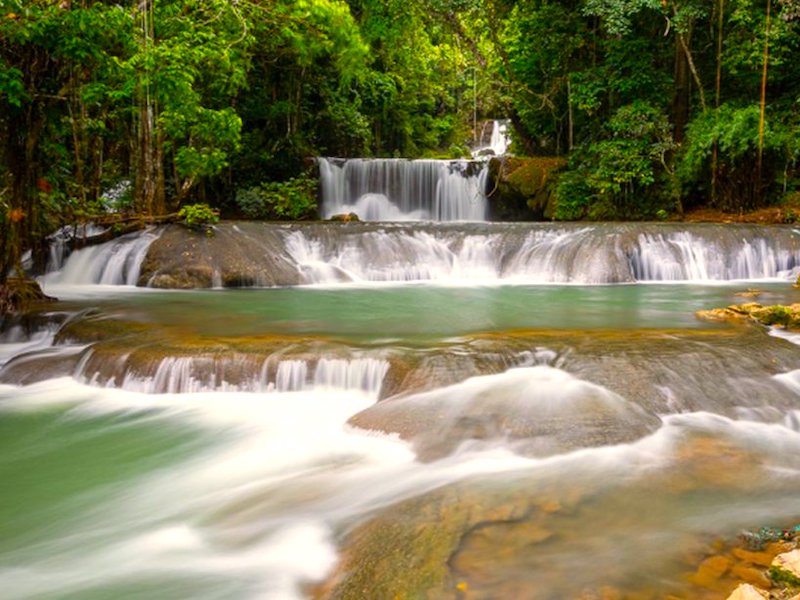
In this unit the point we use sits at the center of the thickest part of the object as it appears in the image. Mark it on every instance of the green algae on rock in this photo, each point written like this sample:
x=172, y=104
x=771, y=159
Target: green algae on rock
x=786, y=317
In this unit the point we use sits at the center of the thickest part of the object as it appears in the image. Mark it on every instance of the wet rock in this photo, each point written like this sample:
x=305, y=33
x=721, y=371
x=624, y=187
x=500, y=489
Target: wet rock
x=454, y=542
x=540, y=411
x=237, y=255
x=345, y=218
x=753, y=575
x=710, y=572
x=746, y=591
x=522, y=188
x=703, y=459
x=787, y=317
x=20, y=294
x=786, y=568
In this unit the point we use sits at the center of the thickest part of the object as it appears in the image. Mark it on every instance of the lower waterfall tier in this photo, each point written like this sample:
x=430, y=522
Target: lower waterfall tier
x=252, y=254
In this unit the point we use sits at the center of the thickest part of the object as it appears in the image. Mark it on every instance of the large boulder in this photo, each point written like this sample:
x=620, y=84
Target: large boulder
x=233, y=255
x=522, y=188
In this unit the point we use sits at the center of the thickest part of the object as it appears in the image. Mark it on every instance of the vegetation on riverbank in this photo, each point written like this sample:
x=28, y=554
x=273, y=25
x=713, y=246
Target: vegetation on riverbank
x=654, y=108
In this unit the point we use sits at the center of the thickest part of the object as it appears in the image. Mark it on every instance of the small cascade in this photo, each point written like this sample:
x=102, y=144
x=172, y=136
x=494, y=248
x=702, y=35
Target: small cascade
x=194, y=374
x=499, y=141
x=60, y=242
x=364, y=374
x=684, y=256
x=403, y=190
x=117, y=262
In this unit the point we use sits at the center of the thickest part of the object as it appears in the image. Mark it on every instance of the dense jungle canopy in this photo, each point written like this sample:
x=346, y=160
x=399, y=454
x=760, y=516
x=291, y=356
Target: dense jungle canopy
x=149, y=105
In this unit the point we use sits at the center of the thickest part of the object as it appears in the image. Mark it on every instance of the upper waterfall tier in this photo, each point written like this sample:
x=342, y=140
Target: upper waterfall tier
x=403, y=190
x=260, y=254
x=498, y=142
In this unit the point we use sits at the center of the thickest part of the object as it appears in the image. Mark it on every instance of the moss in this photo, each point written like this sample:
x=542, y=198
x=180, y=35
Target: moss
x=787, y=317
x=522, y=187
x=18, y=294
x=783, y=577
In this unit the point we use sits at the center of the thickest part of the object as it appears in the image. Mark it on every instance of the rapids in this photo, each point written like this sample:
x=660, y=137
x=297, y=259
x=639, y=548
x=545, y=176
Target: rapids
x=397, y=410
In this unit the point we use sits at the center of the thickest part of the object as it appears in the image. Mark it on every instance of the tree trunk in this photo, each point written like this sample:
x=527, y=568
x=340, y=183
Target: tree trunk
x=682, y=92
x=763, y=102
x=717, y=86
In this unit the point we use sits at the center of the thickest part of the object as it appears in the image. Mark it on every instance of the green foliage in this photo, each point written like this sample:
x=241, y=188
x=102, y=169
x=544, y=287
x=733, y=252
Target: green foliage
x=294, y=199
x=612, y=177
x=198, y=216
x=734, y=132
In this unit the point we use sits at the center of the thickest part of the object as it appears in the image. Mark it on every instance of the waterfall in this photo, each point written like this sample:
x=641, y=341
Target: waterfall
x=403, y=190
x=258, y=254
x=537, y=253
x=499, y=141
x=684, y=256
x=193, y=374
x=117, y=262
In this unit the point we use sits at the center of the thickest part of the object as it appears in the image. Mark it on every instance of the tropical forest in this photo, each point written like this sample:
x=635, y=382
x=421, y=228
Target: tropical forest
x=651, y=107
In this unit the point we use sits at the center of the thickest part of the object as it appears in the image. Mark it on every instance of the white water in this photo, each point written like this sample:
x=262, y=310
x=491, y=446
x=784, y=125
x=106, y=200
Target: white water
x=117, y=262
x=403, y=190
x=465, y=255
x=585, y=255
x=189, y=374
x=257, y=510
x=685, y=257
x=499, y=141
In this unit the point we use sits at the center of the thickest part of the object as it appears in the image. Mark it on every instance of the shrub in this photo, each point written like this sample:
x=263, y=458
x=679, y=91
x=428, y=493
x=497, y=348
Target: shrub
x=197, y=216
x=294, y=199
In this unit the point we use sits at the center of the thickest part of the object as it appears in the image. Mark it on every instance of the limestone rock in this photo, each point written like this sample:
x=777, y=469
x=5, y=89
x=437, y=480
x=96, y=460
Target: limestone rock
x=747, y=592
x=788, y=562
x=787, y=317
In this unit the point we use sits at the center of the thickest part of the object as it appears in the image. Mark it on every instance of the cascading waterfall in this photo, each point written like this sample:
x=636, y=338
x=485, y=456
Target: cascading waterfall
x=682, y=256
x=499, y=140
x=545, y=254
x=487, y=253
x=403, y=190
x=113, y=263
x=188, y=374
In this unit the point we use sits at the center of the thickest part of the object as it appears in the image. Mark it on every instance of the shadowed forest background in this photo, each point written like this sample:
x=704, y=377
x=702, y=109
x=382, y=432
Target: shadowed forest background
x=655, y=106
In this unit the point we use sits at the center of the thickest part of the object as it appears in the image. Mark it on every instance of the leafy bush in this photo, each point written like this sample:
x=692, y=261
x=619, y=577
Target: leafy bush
x=294, y=199
x=614, y=177
x=197, y=216
x=573, y=197
x=734, y=131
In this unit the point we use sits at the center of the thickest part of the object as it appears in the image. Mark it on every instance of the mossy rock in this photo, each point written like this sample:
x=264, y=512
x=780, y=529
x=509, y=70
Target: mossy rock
x=786, y=317
x=522, y=188
x=345, y=218
x=19, y=294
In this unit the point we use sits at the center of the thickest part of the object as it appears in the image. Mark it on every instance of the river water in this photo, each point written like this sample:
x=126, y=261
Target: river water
x=459, y=438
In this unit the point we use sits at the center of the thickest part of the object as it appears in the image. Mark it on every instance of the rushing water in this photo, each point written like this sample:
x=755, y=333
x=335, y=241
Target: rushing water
x=412, y=431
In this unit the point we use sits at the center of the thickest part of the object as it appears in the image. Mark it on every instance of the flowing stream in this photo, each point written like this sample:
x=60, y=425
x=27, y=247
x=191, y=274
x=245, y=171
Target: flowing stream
x=395, y=410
